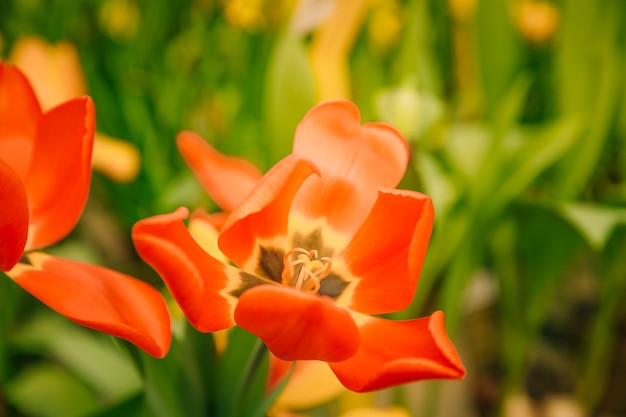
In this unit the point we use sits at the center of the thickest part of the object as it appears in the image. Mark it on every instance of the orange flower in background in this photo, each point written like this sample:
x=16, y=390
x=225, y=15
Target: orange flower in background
x=321, y=243
x=537, y=21
x=56, y=75
x=45, y=171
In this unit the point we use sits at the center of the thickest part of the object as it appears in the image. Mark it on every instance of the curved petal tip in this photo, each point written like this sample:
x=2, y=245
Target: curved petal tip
x=296, y=325
x=99, y=298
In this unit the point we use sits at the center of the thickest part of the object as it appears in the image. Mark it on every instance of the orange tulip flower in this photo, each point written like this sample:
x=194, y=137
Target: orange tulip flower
x=321, y=243
x=228, y=180
x=45, y=172
x=55, y=73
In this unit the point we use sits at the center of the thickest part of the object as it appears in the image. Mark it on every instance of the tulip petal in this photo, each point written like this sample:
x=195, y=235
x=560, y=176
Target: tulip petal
x=296, y=325
x=19, y=115
x=204, y=288
x=57, y=182
x=386, y=255
x=216, y=220
x=204, y=228
x=226, y=179
x=397, y=352
x=363, y=156
x=98, y=298
x=264, y=214
x=13, y=217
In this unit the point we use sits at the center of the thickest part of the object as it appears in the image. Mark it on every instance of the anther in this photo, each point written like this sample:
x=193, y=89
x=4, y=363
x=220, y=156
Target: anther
x=306, y=271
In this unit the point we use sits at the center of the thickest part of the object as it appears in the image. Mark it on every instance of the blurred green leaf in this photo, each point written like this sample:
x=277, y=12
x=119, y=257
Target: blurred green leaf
x=589, y=77
x=466, y=148
x=170, y=390
x=605, y=328
x=499, y=50
x=89, y=356
x=242, y=374
x=289, y=92
x=437, y=183
x=128, y=407
x=541, y=149
x=512, y=304
x=411, y=111
x=547, y=246
x=595, y=222
x=47, y=390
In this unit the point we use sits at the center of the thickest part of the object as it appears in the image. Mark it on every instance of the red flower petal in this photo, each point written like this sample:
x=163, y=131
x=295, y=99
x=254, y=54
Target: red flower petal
x=227, y=180
x=19, y=115
x=296, y=325
x=99, y=298
x=365, y=156
x=197, y=281
x=205, y=228
x=13, y=217
x=397, y=352
x=57, y=182
x=264, y=213
x=387, y=253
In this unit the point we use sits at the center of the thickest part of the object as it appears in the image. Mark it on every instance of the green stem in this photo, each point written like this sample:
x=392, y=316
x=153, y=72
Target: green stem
x=255, y=360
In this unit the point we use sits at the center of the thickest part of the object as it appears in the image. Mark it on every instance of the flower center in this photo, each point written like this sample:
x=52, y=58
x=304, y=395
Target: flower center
x=305, y=271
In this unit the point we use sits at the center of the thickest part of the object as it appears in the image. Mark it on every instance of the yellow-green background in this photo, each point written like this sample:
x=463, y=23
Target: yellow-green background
x=516, y=115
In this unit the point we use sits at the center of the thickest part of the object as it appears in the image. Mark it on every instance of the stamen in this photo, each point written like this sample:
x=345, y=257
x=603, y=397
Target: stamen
x=309, y=269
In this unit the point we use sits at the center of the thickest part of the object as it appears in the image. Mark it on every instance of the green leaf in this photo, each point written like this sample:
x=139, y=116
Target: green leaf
x=547, y=246
x=499, y=50
x=289, y=90
x=11, y=295
x=165, y=388
x=265, y=401
x=437, y=184
x=466, y=148
x=242, y=374
x=596, y=223
x=597, y=361
x=89, y=355
x=199, y=362
x=589, y=76
x=540, y=149
x=128, y=407
x=47, y=390
x=409, y=110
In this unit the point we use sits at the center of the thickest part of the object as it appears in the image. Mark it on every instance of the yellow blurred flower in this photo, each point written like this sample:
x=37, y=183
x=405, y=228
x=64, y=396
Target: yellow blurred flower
x=377, y=412
x=119, y=19
x=537, y=21
x=332, y=43
x=56, y=75
x=252, y=15
x=310, y=384
x=462, y=10
x=54, y=71
x=117, y=159
x=385, y=23
x=244, y=14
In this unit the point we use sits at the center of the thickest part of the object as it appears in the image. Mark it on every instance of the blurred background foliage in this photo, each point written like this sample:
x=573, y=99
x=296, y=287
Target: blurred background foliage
x=516, y=115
